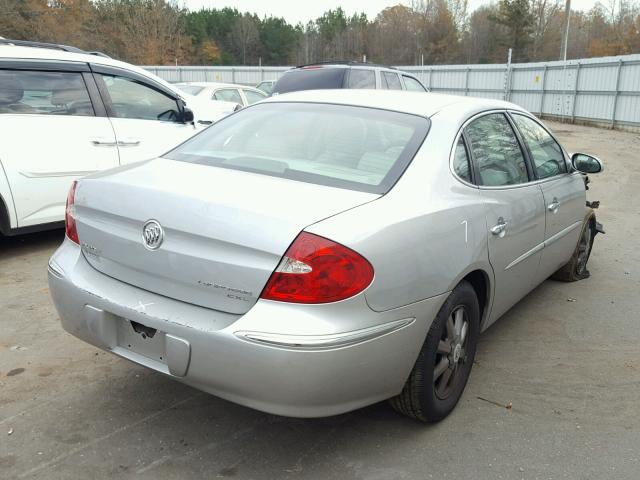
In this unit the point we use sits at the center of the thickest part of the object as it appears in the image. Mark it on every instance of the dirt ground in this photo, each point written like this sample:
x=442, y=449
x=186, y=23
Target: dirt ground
x=567, y=358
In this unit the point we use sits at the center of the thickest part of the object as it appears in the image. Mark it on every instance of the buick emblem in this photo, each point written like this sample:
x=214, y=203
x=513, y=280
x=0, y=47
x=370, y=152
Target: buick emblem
x=152, y=235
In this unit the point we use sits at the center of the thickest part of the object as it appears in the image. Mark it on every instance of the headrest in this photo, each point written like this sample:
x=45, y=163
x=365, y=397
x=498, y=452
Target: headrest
x=11, y=90
x=67, y=96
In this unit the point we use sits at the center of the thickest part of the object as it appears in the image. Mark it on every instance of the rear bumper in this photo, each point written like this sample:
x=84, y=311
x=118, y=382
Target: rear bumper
x=293, y=360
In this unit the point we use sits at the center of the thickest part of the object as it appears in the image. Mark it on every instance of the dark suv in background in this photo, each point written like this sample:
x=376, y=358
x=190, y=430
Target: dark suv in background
x=346, y=75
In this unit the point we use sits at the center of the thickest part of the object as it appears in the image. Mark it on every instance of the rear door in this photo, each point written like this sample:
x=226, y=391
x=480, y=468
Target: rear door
x=54, y=130
x=563, y=191
x=145, y=116
x=514, y=207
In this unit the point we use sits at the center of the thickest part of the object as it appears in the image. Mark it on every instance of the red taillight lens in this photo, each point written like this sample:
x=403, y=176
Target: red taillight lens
x=70, y=215
x=317, y=270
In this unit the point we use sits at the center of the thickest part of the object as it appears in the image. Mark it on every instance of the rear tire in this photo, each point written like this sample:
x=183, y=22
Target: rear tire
x=443, y=366
x=576, y=267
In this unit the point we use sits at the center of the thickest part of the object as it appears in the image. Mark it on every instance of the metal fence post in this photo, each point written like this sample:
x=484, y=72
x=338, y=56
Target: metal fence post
x=466, y=82
x=544, y=83
x=233, y=75
x=180, y=74
x=507, y=78
x=575, y=94
x=430, y=80
x=615, y=98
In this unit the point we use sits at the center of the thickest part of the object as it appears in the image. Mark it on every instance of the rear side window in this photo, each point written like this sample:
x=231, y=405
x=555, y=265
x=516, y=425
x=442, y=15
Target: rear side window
x=496, y=151
x=362, y=78
x=413, y=85
x=357, y=148
x=391, y=81
x=44, y=93
x=228, y=95
x=461, y=164
x=312, y=78
x=131, y=99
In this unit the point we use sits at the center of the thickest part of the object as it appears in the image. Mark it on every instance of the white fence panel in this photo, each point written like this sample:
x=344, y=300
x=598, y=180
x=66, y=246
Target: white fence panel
x=602, y=90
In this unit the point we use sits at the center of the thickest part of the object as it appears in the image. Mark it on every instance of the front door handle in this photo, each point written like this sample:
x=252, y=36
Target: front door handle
x=129, y=142
x=554, y=205
x=102, y=142
x=499, y=228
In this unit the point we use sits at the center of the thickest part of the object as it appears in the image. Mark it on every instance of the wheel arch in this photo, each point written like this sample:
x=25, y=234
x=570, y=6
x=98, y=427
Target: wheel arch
x=5, y=220
x=480, y=280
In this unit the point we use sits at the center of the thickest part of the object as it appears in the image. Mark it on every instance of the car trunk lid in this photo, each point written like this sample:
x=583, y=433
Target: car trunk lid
x=224, y=231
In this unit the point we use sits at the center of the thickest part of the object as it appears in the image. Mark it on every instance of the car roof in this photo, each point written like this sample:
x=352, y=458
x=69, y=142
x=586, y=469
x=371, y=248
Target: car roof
x=35, y=53
x=416, y=103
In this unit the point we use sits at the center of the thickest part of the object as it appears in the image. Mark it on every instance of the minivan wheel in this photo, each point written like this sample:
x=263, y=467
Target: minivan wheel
x=445, y=360
x=576, y=268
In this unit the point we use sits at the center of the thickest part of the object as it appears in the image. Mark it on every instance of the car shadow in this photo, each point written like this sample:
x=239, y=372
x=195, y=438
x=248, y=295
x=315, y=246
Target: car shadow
x=31, y=242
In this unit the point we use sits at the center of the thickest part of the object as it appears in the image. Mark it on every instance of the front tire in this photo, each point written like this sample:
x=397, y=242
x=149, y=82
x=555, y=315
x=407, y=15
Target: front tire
x=443, y=366
x=576, y=268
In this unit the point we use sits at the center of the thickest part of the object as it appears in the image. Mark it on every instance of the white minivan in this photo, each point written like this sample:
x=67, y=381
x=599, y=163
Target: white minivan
x=65, y=113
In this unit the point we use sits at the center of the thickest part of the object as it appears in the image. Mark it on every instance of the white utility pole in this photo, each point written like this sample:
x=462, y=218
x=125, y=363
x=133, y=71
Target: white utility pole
x=565, y=36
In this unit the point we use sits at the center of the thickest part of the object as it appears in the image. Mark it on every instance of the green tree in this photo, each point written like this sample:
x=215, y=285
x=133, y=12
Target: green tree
x=517, y=20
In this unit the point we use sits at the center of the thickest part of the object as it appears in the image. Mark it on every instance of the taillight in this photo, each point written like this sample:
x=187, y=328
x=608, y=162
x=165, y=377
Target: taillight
x=317, y=270
x=70, y=215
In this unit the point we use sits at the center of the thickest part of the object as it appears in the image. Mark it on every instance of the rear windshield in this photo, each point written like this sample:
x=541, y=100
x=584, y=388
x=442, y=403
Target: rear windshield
x=190, y=89
x=357, y=148
x=316, y=78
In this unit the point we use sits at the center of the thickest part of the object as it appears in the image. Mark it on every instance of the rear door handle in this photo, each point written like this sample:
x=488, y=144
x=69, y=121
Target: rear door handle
x=499, y=228
x=129, y=142
x=554, y=205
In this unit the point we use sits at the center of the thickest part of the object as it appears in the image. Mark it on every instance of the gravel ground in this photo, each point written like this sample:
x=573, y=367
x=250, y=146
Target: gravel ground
x=567, y=358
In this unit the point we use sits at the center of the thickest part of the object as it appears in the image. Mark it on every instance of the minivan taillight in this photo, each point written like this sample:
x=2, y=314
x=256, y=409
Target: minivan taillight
x=317, y=270
x=70, y=215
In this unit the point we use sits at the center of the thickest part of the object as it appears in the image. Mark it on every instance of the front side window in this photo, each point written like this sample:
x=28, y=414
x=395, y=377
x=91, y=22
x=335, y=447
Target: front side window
x=546, y=154
x=253, y=97
x=228, y=95
x=461, y=164
x=413, y=85
x=362, y=78
x=44, y=93
x=391, y=81
x=496, y=151
x=131, y=99
x=357, y=148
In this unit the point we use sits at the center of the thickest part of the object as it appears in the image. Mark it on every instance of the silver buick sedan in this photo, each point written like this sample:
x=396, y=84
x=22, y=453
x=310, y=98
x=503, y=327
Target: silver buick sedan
x=324, y=250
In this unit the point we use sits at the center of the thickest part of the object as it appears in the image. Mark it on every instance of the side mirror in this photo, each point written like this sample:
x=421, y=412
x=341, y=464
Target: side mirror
x=237, y=107
x=187, y=115
x=586, y=163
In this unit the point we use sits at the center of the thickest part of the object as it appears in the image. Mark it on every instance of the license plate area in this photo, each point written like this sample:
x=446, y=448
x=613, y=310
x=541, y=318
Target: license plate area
x=142, y=340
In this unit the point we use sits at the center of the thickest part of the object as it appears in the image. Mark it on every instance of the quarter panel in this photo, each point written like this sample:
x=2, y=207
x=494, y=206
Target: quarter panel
x=424, y=234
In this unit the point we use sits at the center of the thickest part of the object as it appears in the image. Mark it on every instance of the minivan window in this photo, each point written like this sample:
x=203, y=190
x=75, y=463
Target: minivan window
x=310, y=78
x=413, y=85
x=391, y=81
x=44, y=93
x=496, y=151
x=362, y=78
x=342, y=146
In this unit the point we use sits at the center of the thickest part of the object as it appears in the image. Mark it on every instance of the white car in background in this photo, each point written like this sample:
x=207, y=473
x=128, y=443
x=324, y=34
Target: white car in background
x=66, y=113
x=226, y=92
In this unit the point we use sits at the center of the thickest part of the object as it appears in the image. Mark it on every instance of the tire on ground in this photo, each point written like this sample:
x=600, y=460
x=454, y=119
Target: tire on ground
x=418, y=398
x=570, y=271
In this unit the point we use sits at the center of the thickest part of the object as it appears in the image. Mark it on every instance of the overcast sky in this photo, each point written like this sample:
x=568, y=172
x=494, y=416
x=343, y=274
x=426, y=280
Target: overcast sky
x=304, y=10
